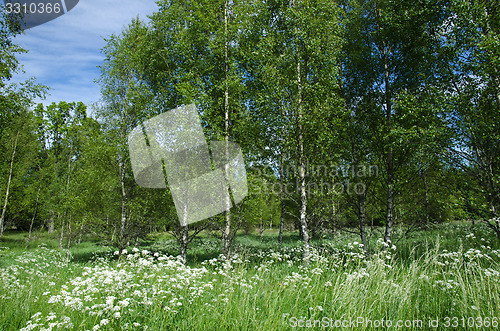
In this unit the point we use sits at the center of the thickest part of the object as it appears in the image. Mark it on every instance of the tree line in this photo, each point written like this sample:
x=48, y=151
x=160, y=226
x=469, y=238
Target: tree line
x=351, y=114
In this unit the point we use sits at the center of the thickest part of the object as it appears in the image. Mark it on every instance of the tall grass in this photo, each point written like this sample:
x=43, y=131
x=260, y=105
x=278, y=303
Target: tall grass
x=424, y=279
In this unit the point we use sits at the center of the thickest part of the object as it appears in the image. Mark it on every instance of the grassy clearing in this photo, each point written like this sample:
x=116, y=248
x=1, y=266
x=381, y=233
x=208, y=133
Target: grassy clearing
x=450, y=272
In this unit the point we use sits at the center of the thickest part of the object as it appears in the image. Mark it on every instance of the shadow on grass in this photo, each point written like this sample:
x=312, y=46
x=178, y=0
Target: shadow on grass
x=18, y=240
x=194, y=258
x=88, y=256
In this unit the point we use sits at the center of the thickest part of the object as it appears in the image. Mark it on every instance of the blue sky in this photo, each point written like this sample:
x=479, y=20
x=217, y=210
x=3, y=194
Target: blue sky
x=64, y=53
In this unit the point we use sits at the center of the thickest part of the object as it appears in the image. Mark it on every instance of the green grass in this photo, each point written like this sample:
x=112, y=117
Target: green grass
x=443, y=273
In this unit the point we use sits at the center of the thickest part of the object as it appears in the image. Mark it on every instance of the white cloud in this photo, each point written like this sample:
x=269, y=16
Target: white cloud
x=64, y=53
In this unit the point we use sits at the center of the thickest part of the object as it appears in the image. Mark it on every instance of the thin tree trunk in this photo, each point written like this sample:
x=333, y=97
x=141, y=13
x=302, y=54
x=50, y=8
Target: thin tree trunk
x=390, y=205
x=80, y=234
x=302, y=170
x=361, y=196
x=113, y=234
x=34, y=215
x=282, y=173
x=67, y=215
x=390, y=208
x=390, y=157
x=69, y=234
x=227, y=228
x=50, y=226
x=123, y=221
x=362, y=220
x=321, y=227
x=334, y=216
x=2, y=217
x=184, y=243
x=62, y=234
x=261, y=224
x=184, y=237
x=282, y=223
x=427, y=201
x=302, y=166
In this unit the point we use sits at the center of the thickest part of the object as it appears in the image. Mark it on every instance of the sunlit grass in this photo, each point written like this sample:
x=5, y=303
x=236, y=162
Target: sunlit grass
x=452, y=271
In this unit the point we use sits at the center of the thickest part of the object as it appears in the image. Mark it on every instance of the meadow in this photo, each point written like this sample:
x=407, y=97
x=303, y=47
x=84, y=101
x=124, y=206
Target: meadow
x=444, y=278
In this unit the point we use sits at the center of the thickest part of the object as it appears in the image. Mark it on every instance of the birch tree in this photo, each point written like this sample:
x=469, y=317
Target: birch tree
x=296, y=62
x=125, y=105
x=475, y=95
x=17, y=141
